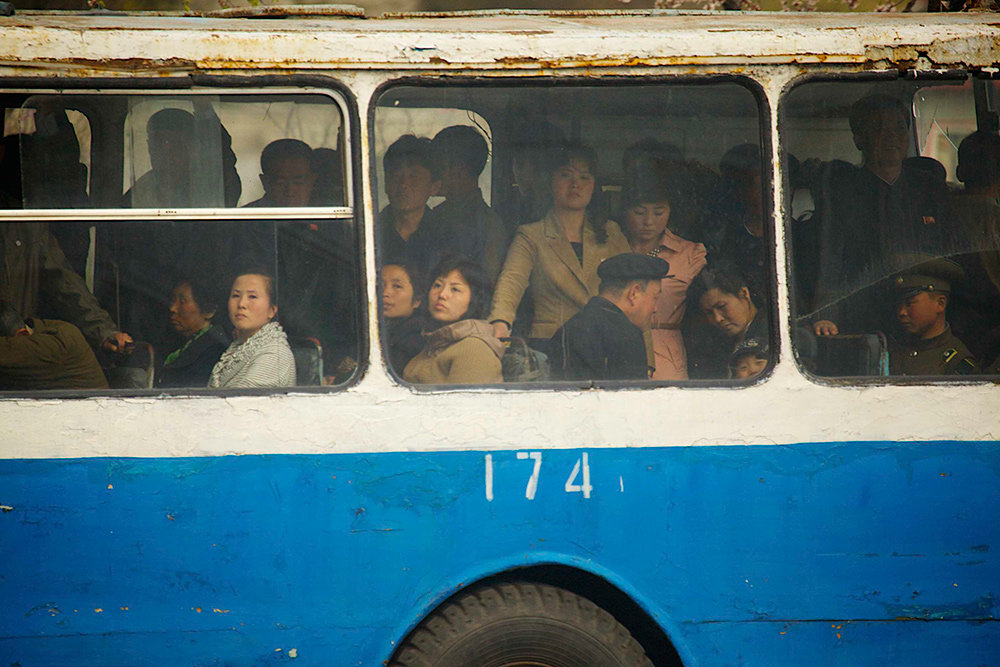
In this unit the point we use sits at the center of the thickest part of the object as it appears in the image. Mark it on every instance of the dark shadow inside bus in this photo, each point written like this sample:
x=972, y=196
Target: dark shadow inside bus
x=894, y=226
x=585, y=234
x=220, y=301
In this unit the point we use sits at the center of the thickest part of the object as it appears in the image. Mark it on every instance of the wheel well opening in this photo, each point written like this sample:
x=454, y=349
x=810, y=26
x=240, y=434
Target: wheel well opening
x=601, y=592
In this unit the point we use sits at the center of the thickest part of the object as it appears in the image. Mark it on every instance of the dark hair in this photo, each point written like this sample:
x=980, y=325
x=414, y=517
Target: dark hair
x=866, y=107
x=415, y=275
x=648, y=151
x=463, y=144
x=740, y=159
x=415, y=150
x=979, y=159
x=170, y=120
x=649, y=183
x=268, y=281
x=283, y=149
x=204, y=296
x=11, y=321
x=726, y=278
x=563, y=156
x=475, y=276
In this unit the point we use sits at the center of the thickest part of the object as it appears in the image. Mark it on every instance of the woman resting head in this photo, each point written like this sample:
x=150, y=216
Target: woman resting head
x=403, y=293
x=724, y=298
x=460, y=346
x=260, y=355
x=192, y=308
x=727, y=302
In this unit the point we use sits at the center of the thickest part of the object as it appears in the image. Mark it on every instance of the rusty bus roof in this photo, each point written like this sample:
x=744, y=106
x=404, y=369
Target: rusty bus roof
x=497, y=40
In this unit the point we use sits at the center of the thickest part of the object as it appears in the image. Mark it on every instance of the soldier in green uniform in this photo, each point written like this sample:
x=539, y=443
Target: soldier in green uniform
x=926, y=344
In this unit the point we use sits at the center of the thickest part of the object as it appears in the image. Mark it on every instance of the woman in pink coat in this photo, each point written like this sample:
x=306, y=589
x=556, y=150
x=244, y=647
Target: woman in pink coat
x=645, y=219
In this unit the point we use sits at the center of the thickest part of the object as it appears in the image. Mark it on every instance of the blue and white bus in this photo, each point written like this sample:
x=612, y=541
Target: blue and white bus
x=824, y=508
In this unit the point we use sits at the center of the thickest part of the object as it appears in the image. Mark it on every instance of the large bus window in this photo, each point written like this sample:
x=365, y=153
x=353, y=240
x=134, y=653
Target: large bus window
x=895, y=226
x=171, y=299
x=622, y=237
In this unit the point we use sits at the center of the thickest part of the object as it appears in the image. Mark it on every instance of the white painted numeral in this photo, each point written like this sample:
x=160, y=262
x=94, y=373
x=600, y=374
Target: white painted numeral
x=572, y=486
x=489, y=477
x=529, y=491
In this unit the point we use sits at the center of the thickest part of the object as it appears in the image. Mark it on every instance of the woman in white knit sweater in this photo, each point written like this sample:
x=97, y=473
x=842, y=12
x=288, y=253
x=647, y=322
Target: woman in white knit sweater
x=260, y=355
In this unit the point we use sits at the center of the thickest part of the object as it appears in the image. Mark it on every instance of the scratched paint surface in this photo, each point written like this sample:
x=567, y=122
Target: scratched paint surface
x=761, y=555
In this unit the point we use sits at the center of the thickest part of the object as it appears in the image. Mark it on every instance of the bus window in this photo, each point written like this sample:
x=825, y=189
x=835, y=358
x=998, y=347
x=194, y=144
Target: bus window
x=153, y=297
x=660, y=177
x=894, y=225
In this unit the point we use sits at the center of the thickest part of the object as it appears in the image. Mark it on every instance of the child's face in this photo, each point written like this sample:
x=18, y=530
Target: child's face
x=748, y=366
x=919, y=313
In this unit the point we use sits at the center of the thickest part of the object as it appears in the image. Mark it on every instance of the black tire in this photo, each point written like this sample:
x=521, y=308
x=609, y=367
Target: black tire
x=520, y=625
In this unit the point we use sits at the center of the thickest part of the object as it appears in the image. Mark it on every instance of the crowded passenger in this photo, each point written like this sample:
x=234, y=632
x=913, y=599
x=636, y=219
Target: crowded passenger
x=36, y=271
x=408, y=229
x=925, y=344
x=974, y=313
x=192, y=309
x=462, y=348
x=864, y=214
x=260, y=356
x=531, y=143
x=471, y=228
x=39, y=353
x=692, y=188
x=403, y=292
x=728, y=304
x=286, y=172
x=192, y=163
x=328, y=165
x=557, y=257
x=749, y=359
x=604, y=341
x=741, y=210
x=646, y=221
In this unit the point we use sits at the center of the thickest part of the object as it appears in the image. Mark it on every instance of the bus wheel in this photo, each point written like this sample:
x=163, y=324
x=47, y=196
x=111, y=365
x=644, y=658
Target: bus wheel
x=520, y=625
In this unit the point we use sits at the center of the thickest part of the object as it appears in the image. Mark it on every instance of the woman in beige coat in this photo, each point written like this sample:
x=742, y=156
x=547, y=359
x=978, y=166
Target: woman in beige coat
x=462, y=349
x=557, y=257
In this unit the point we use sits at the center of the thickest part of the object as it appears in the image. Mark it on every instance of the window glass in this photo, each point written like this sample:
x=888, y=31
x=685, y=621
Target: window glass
x=235, y=301
x=572, y=233
x=894, y=226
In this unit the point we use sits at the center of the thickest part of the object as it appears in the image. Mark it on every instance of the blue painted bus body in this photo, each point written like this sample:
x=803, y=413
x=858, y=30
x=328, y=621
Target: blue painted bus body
x=847, y=554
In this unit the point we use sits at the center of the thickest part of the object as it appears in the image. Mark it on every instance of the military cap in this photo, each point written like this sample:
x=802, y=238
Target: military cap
x=632, y=266
x=934, y=274
x=755, y=346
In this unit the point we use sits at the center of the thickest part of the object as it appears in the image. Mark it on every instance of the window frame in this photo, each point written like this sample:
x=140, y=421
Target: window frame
x=244, y=85
x=765, y=141
x=915, y=76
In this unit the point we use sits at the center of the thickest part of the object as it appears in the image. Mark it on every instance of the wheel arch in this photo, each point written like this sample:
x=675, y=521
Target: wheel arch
x=654, y=638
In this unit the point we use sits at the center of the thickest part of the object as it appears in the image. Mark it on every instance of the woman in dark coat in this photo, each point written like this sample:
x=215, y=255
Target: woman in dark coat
x=191, y=311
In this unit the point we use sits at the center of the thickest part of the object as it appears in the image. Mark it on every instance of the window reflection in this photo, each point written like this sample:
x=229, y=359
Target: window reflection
x=892, y=249
x=539, y=189
x=152, y=298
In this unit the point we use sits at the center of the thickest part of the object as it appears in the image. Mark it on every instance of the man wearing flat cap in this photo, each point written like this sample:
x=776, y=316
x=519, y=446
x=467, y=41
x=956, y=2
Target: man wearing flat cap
x=604, y=341
x=927, y=345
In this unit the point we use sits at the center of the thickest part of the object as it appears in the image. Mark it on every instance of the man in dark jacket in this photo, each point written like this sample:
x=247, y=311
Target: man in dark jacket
x=45, y=354
x=604, y=341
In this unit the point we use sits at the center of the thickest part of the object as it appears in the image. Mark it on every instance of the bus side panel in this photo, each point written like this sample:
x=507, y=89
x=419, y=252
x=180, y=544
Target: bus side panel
x=243, y=559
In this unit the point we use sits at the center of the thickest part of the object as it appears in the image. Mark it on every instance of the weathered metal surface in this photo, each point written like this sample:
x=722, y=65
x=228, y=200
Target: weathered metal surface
x=512, y=43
